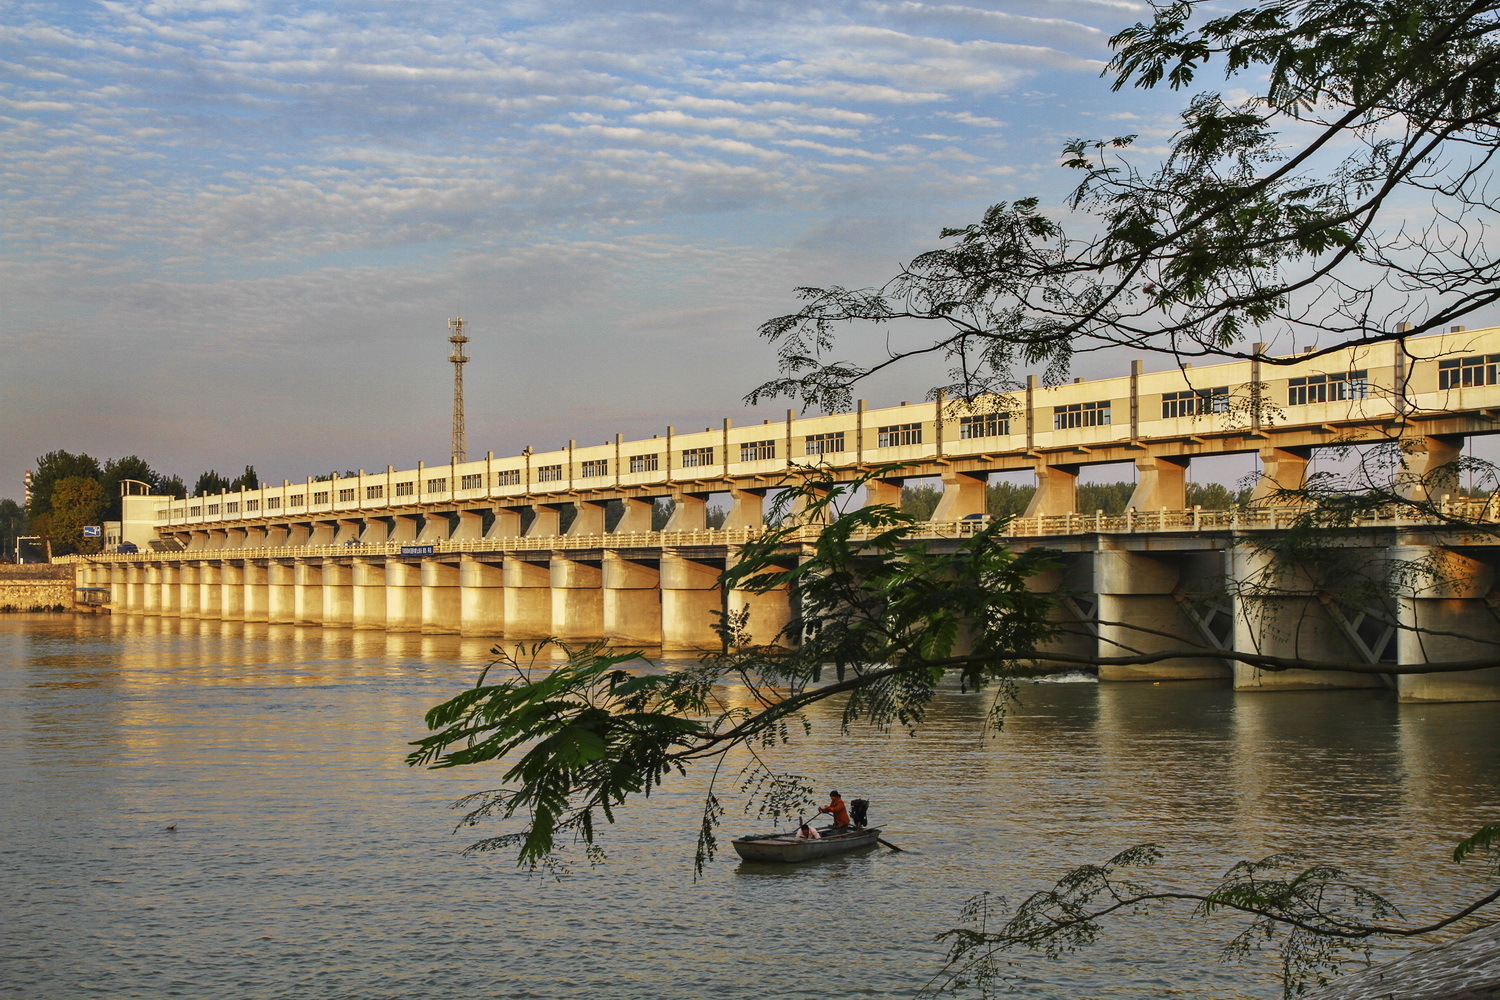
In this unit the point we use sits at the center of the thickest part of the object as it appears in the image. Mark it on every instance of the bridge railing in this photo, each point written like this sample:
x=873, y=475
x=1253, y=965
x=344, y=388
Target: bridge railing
x=1479, y=512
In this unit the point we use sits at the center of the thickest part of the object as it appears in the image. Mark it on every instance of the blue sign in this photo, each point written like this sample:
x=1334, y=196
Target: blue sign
x=417, y=550
x=92, y=531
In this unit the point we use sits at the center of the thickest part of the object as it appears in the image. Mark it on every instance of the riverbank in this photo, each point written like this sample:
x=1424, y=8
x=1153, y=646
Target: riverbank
x=38, y=587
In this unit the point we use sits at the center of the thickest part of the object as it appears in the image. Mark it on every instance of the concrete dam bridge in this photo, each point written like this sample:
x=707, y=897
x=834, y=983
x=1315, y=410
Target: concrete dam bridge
x=479, y=548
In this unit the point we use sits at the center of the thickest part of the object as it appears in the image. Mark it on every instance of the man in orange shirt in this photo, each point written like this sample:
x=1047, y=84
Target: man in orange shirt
x=836, y=808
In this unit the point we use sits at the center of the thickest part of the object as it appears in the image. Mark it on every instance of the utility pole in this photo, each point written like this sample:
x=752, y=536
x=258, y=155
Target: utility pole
x=459, y=359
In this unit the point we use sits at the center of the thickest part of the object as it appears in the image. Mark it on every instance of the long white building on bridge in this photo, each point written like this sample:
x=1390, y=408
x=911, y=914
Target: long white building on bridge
x=478, y=547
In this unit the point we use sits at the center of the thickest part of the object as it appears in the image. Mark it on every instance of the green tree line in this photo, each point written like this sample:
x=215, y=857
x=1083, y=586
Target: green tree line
x=70, y=492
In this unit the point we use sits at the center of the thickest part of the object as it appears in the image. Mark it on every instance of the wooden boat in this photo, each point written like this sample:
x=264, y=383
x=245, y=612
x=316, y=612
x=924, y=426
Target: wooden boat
x=789, y=848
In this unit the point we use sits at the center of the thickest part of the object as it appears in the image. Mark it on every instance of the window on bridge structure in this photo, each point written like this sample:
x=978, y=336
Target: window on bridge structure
x=697, y=457
x=1193, y=402
x=473, y=481
x=273, y=503
x=549, y=474
x=438, y=484
x=232, y=507
x=195, y=512
x=755, y=451
x=346, y=496
x=593, y=468
x=824, y=444
x=1476, y=369
x=645, y=463
x=213, y=508
x=898, y=434
x=320, y=497
x=1092, y=414
x=252, y=505
x=406, y=489
x=1331, y=387
x=984, y=425
x=375, y=492
x=508, y=477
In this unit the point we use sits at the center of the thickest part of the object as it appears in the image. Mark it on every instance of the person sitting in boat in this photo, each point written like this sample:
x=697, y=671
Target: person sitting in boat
x=837, y=810
x=805, y=832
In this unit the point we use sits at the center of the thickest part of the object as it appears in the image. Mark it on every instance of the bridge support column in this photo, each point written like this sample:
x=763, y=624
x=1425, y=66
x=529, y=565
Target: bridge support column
x=749, y=510
x=481, y=596
x=1455, y=622
x=338, y=593
x=255, y=593
x=369, y=592
x=1136, y=592
x=347, y=531
x=1429, y=467
x=632, y=600
x=322, y=532
x=1281, y=470
x=507, y=523
x=148, y=579
x=689, y=599
x=231, y=593
x=442, y=610
x=1161, y=483
x=689, y=512
x=588, y=518
x=210, y=590
x=528, y=598
x=278, y=536
x=437, y=527
x=467, y=526
x=546, y=522
x=769, y=613
x=403, y=595
x=577, y=597
x=963, y=494
x=636, y=519
x=403, y=529
x=1056, y=490
x=883, y=491
x=168, y=590
x=1277, y=612
x=307, y=593
x=281, y=592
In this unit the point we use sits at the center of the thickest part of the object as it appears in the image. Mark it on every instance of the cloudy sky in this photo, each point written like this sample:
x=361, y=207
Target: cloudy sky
x=234, y=230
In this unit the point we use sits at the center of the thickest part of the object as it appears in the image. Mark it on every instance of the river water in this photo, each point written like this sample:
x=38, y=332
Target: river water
x=205, y=809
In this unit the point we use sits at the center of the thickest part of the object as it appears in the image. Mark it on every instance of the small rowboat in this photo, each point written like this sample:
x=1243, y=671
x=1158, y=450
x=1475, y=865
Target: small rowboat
x=788, y=847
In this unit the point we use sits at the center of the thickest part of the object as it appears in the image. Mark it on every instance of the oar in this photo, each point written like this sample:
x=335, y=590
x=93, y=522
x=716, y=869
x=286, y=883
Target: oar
x=886, y=843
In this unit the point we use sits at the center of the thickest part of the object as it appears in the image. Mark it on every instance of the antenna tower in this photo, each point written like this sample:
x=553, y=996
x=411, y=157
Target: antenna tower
x=459, y=359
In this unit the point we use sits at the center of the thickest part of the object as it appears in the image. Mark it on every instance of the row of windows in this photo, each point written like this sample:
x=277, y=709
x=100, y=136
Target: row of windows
x=984, y=425
x=898, y=434
x=1092, y=414
x=697, y=457
x=1324, y=388
x=1195, y=402
x=1476, y=369
x=549, y=473
x=824, y=444
x=755, y=451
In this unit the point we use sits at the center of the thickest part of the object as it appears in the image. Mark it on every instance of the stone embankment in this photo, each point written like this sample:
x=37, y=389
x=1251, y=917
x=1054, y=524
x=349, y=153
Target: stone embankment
x=36, y=588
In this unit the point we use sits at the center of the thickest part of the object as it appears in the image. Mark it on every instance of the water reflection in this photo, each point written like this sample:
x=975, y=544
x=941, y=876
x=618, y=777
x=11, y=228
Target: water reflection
x=308, y=860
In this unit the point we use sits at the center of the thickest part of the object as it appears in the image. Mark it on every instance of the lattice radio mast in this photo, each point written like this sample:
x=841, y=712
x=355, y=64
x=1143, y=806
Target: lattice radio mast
x=459, y=359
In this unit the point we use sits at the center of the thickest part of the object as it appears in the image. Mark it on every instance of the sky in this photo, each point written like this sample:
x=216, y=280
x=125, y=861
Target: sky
x=232, y=232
